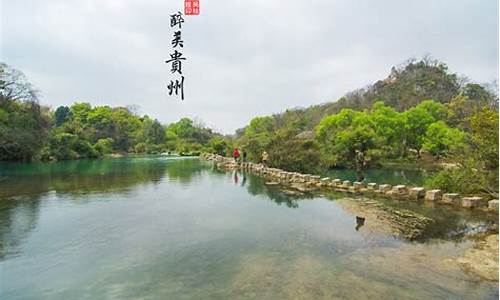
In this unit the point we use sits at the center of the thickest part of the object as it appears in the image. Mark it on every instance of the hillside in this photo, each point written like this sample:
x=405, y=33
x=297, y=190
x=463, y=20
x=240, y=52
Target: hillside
x=418, y=108
x=406, y=86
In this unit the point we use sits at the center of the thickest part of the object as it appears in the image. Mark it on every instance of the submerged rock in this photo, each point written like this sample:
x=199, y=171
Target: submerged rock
x=302, y=188
x=401, y=222
x=292, y=193
x=482, y=259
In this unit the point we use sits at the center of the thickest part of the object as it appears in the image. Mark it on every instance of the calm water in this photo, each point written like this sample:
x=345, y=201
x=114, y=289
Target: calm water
x=393, y=176
x=170, y=228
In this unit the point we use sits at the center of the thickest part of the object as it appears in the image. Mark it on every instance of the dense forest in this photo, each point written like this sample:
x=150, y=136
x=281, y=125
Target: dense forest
x=420, y=111
x=29, y=131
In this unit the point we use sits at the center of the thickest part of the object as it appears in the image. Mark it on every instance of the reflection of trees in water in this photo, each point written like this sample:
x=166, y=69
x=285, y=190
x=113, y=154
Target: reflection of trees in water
x=216, y=171
x=255, y=186
x=384, y=175
x=75, y=177
x=456, y=224
x=22, y=187
x=448, y=224
x=18, y=216
x=184, y=170
x=75, y=181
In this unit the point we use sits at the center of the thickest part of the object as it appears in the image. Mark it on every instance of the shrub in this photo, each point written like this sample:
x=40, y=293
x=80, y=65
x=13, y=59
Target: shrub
x=104, y=146
x=140, y=148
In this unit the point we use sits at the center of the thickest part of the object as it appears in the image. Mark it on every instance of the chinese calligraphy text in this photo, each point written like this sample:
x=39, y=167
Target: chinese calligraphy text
x=176, y=86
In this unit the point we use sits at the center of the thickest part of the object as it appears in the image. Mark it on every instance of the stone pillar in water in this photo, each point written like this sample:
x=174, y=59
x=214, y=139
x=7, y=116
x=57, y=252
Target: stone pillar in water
x=471, y=202
x=451, y=198
x=433, y=195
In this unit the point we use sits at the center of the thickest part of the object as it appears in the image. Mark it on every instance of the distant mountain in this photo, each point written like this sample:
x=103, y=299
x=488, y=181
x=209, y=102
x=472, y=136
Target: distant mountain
x=405, y=87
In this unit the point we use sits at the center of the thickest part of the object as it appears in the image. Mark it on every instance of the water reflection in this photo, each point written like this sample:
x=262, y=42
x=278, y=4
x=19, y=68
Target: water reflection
x=256, y=186
x=447, y=224
x=183, y=230
x=107, y=175
x=184, y=170
x=409, y=176
x=22, y=185
x=244, y=179
x=77, y=178
x=360, y=221
x=18, y=216
x=236, y=178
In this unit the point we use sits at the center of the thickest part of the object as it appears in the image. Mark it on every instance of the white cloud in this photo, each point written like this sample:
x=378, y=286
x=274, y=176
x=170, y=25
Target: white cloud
x=245, y=58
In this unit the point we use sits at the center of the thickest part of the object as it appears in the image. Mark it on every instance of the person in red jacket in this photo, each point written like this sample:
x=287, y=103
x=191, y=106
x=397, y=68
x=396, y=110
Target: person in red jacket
x=236, y=154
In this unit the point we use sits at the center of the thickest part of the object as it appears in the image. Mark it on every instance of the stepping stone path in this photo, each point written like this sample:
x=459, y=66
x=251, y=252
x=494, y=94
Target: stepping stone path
x=303, y=183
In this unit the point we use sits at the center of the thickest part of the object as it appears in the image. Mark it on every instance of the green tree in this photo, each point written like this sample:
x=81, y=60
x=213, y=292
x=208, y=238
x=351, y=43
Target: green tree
x=470, y=101
x=140, y=148
x=61, y=115
x=217, y=145
x=418, y=119
x=288, y=152
x=346, y=136
x=104, y=146
x=390, y=127
x=484, y=125
x=171, y=140
x=85, y=149
x=62, y=146
x=186, y=136
x=476, y=169
x=23, y=124
x=257, y=136
x=155, y=133
x=440, y=139
x=259, y=125
x=183, y=129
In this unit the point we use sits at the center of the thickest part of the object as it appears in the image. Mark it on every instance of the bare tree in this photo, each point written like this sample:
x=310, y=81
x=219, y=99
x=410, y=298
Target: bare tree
x=134, y=109
x=15, y=86
x=198, y=122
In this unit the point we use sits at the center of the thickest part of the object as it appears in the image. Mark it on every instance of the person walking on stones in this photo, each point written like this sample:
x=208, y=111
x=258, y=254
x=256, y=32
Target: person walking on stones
x=264, y=158
x=244, y=156
x=236, y=154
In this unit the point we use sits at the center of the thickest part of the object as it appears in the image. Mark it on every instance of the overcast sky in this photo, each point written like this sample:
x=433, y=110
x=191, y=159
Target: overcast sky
x=244, y=58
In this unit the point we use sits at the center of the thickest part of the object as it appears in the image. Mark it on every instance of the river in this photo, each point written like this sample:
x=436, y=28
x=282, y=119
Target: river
x=176, y=228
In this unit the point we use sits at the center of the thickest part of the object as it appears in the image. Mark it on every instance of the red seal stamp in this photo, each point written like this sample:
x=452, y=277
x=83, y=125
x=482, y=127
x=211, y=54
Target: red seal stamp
x=191, y=7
